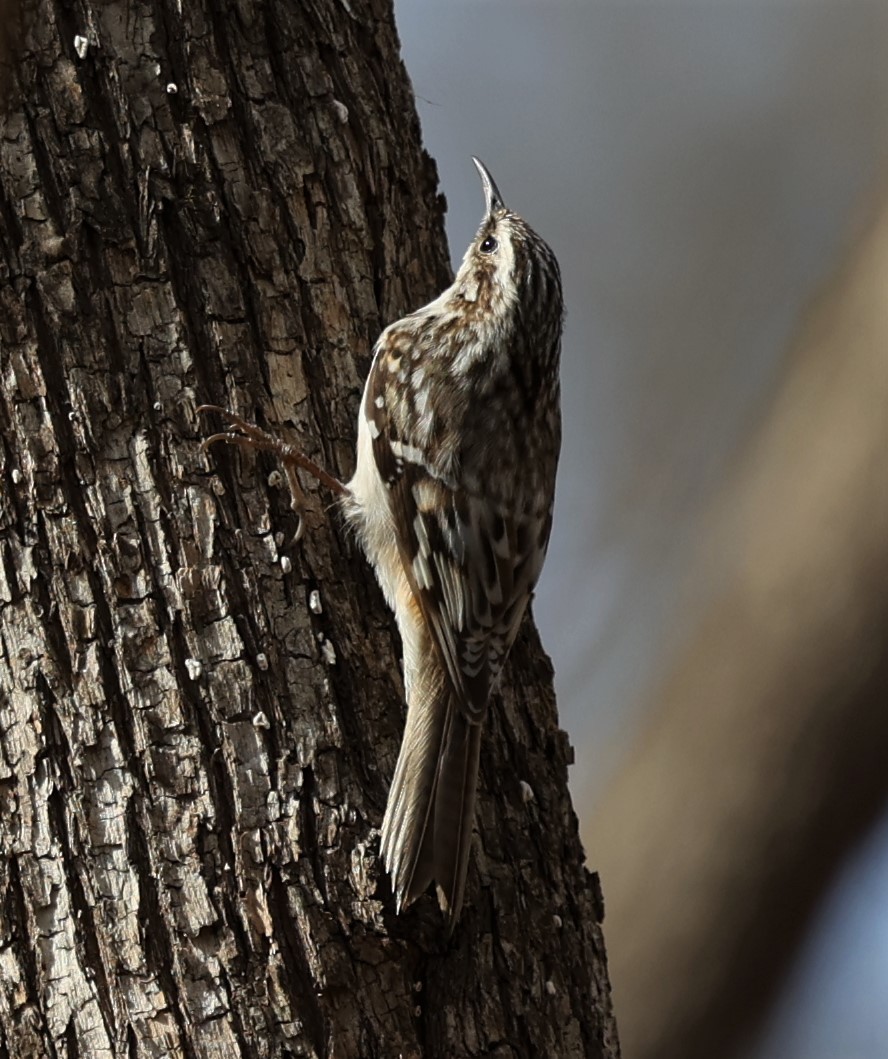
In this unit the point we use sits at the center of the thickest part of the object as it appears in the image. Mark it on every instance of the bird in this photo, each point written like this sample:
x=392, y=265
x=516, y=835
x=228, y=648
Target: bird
x=459, y=433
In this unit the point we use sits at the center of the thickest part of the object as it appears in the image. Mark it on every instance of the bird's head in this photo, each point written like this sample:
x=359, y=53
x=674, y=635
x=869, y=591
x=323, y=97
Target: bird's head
x=508, y=270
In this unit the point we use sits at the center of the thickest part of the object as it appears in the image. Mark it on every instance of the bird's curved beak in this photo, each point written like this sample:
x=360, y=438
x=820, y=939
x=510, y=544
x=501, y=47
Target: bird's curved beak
x=492, y=197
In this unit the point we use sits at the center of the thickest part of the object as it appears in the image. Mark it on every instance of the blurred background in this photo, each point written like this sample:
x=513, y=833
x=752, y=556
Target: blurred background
x=713, y=177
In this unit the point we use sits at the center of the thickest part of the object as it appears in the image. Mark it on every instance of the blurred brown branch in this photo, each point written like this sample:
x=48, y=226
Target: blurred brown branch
x=765, y=759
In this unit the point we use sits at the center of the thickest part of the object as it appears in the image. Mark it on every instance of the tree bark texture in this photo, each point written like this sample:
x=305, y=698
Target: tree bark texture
x=199, y=718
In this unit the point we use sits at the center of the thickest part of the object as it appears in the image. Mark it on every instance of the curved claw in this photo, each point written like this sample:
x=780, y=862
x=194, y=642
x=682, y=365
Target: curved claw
x=232, y=418
x=226, y=436
x=249, y=436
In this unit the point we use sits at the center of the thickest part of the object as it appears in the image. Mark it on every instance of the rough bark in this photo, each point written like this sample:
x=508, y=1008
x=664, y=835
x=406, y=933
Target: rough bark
x=764, y=763
x=199, y=719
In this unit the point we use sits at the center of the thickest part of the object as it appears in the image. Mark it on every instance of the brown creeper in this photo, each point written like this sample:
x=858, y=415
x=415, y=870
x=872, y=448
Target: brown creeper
x=458, y=439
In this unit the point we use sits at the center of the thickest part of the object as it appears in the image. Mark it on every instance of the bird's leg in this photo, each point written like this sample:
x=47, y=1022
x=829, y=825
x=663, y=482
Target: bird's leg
x=248, y=435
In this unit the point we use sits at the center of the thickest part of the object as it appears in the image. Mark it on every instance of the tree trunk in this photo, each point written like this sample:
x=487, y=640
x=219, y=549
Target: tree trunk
x=199, y=718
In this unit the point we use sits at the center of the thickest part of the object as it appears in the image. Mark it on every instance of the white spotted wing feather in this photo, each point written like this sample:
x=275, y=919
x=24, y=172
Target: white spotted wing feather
x=458, y=567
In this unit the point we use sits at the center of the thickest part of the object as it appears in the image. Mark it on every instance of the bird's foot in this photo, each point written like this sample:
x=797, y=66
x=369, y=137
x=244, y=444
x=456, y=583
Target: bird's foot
x=249, y=436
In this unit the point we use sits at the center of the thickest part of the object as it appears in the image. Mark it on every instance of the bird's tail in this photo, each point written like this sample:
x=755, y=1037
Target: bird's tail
x=427, y=829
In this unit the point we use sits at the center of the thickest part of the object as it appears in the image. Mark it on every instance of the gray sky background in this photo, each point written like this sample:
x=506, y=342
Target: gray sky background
x=696, y=167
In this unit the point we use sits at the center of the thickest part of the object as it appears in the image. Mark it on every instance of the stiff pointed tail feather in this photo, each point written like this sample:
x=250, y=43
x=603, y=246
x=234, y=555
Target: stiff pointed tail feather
x=427, y=829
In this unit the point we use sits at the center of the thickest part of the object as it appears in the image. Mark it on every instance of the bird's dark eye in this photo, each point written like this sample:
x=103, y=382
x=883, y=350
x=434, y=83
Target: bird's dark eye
x=489, y=245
